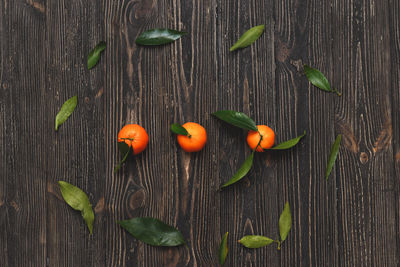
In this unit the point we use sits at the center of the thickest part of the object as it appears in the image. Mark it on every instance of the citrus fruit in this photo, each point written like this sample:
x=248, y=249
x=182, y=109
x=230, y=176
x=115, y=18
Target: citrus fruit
x=134, y=135
x=268, y=138
x=196, y=139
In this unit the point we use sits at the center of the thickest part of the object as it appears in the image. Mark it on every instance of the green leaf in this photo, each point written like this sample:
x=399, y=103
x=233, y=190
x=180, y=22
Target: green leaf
x=223, y=249
x=153, y=232
x=333, y=155
x=290, y=143
x=237, y=119
x=318, y=79
x=285, y=222
x=255, y=241
x=78, y=200
x=248, y=37
x=179, y=129
x=159, y=36
x=124, y=149
x=66, y=110
x=243, y=170
x=88, y=216
x=94, y=55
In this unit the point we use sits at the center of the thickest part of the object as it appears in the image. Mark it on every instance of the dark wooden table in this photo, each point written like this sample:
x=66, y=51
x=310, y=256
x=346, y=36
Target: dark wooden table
x=353, y=219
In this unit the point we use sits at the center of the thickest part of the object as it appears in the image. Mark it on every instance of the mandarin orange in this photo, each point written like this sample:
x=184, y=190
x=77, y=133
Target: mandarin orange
x=196, y=139
x=268, y=138
x=134, y=135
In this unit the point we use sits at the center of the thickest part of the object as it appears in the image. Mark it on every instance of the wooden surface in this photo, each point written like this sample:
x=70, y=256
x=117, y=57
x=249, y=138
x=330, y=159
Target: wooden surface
x=353, y=219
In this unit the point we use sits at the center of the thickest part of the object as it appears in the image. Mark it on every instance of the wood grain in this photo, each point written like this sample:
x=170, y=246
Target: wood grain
x=353, y=219
x=394, y=26
x=23, y=183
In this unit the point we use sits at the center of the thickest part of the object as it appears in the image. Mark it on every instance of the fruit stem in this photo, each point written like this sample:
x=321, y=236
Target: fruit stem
x=124, y=138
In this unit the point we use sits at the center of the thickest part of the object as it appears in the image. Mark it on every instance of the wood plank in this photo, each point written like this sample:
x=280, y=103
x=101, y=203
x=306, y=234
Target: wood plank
x=3, y=158
x=301, y=107
x=3, y=161
x=394, y=29
x=23, y=184
x=76, y=152
x=155, y=87
x=246, y=83
x=364, y=173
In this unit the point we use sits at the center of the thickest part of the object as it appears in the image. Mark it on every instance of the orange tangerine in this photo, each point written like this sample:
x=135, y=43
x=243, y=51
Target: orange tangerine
x=196, y=139
x=268, y=138
x=134, y=135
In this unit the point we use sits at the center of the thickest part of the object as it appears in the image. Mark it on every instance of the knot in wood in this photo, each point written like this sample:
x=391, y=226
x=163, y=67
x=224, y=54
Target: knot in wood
x=363, y=157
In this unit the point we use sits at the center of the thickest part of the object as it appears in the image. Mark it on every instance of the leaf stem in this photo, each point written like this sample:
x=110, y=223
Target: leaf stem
x=116, y=169
x=337, y=92
x=279, y=244
x=259, y=142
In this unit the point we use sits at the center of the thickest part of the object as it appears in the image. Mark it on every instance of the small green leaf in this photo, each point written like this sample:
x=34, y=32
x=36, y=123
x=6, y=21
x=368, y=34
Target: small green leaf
x=88, y=216
x=248, y=37
x=158, y=36
x=66, y=110
x=94, y=55
x=290, y=143
x=124, y=149
x=255, y=241
x=285, y=222
x=333, y=155
x=223, y=249
x=237, y=119
x=243, y=170
x=179, y=129
x=74, y=196
x=78, y=200
x=153, y=232
x=318, y=79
